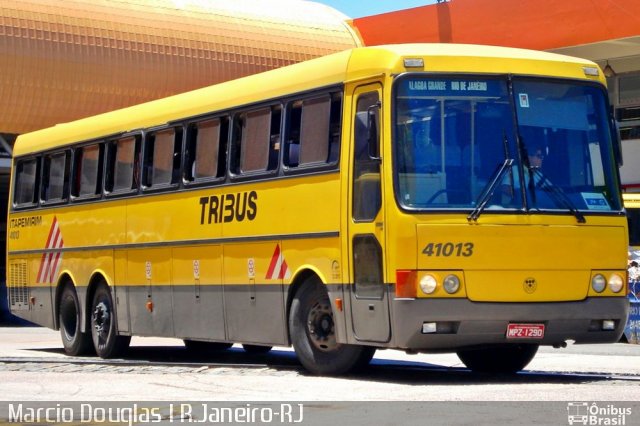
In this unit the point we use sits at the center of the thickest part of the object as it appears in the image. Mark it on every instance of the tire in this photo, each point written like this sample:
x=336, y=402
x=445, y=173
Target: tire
x=257, y=349
x=104, y=331
x=74, y=341
x=198, y=347
x=312, y=332
x=507, y=359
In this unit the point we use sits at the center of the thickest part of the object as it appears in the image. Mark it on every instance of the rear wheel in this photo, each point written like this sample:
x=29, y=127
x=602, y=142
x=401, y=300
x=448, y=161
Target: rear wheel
x=257, y=349
x=75, y=342
x=498, y=359
x=104, y=331
x=312, y=331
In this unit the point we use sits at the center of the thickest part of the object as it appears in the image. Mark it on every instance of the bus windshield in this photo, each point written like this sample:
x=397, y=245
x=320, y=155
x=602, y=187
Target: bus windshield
x=454, y=138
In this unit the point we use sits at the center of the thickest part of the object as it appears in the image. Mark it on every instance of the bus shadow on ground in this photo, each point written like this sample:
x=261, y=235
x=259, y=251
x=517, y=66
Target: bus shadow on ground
x=379, y=370
x=416, y=373
x=180, y=355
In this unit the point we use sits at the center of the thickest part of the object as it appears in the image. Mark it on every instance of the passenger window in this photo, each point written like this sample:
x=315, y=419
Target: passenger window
x=314, y=131
x=26, y=176
x=162, y=157
x=206, y=149
x=88, y=171
x=123, y=173
x=256, y=141
x=55, y=177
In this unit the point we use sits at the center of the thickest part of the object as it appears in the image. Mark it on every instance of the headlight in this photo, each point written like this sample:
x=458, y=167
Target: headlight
x=451, y=284
x=616, y=283
x=428, y=284
x=598, y=283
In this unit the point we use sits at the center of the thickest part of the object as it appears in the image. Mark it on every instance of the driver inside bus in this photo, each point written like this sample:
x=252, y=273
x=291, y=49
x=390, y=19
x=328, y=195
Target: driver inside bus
x=511, y=180
x=537, y=158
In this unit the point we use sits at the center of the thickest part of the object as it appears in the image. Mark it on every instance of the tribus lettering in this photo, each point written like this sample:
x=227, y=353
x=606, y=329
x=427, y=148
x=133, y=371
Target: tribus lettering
x=228, y=207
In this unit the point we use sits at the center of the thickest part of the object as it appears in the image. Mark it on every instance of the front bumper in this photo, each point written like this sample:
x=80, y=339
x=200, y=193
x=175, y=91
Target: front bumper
x=463, y=323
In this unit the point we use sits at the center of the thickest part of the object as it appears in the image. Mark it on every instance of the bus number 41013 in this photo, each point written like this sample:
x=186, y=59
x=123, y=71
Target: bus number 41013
x=449, y=249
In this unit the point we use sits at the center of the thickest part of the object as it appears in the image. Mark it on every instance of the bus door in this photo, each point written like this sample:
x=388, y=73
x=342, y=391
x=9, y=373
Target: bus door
x=368, y=294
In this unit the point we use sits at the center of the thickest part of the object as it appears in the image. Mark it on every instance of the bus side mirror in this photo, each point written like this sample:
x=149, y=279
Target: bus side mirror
x=373, y=134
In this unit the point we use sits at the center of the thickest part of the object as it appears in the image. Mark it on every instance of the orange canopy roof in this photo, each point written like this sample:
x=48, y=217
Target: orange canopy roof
x=539, y=24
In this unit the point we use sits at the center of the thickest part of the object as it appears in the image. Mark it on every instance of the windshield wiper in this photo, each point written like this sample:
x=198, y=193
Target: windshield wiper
x=489, y=189
x=556, y=193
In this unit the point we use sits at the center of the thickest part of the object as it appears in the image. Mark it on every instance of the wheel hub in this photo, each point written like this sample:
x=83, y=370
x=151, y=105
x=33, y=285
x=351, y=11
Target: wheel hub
x=101, y=317
x=321, y=327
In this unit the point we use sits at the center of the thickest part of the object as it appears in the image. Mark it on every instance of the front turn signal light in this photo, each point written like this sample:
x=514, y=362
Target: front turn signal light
x=406, y=284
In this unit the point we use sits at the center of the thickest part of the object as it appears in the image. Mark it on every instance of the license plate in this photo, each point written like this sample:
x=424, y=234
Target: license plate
x=525, y=331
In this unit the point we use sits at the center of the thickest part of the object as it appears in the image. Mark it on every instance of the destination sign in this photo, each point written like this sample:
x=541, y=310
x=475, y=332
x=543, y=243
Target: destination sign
x=452, y=87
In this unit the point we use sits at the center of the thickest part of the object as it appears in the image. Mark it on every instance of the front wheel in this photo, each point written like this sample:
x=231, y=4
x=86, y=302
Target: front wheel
x=103, y=325
x=498, y=359
x=74, y=341
x=312, y=331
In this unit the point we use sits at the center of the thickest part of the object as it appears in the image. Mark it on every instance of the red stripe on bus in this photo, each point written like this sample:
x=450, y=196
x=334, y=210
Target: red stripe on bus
x=274, y=262
x=54, y=267
x=53, y=226
x=283, y=270
x=42, y=271
x=42, y=262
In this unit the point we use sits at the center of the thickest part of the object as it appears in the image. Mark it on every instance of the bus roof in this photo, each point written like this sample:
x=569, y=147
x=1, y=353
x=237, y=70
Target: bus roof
x=337, y=68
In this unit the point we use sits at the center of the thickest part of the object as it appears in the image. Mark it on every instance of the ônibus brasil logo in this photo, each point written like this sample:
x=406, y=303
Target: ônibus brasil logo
x=598, y=414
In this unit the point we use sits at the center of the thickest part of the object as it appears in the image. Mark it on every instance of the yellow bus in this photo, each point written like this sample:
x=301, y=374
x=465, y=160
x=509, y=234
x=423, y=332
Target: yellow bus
x=418, y=197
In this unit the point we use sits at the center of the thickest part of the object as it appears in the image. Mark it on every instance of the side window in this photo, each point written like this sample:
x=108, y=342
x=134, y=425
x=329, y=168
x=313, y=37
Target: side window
x=313, y=136
x=367, y=194
x=206, y=149
x=26, y=182
x=88, y=167
x=162, y=157
x=256, y=141
x=55, y=177
x=123, y=164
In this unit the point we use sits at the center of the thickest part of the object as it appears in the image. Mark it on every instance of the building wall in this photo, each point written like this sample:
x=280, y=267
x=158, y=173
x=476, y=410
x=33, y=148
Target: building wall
x=67, y=59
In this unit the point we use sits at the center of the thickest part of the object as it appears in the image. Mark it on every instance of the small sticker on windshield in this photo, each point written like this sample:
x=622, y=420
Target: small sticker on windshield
x=524, y=100
x=595, y=201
